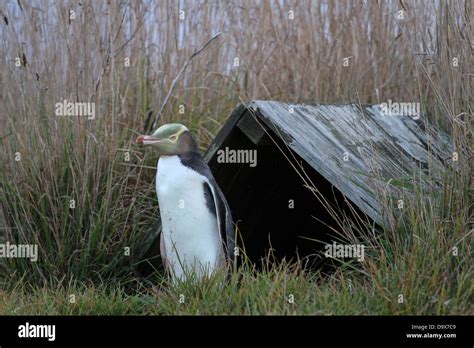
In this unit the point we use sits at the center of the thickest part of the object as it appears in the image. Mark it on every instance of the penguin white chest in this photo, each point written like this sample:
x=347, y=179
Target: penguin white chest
x=190, y=230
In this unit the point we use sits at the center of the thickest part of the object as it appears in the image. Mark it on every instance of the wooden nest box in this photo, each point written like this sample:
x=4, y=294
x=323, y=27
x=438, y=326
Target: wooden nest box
x=310, y=170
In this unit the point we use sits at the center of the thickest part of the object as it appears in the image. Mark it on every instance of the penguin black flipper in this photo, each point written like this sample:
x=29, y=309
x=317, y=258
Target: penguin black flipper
x=215, y=200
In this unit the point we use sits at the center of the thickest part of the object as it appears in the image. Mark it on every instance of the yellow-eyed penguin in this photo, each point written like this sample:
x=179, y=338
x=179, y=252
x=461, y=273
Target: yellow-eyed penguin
x=197, y=232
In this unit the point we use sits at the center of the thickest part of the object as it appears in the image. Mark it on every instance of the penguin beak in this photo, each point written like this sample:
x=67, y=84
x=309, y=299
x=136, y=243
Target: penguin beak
x=147, y=140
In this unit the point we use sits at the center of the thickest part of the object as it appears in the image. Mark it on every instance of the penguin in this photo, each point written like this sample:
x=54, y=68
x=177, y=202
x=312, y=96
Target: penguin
x=197, y=235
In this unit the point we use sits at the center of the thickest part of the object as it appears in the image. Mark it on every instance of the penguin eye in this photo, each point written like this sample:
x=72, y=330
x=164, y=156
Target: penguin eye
x=173, y=137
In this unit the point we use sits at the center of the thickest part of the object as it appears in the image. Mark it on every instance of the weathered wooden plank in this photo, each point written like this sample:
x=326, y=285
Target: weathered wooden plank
x=251, y=128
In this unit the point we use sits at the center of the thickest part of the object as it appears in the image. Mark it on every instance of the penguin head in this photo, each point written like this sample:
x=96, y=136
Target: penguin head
x=170, y=139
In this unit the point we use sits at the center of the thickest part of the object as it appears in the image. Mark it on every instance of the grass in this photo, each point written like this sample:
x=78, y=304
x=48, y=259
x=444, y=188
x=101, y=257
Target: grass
x=74, y=193
x=280, y=290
